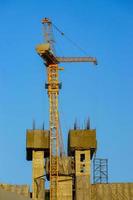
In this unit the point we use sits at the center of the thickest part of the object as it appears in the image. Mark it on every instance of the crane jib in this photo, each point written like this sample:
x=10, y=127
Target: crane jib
x=77, y=59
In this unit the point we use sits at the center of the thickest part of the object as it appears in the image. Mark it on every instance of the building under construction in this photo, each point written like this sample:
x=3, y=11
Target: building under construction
x=69, y=173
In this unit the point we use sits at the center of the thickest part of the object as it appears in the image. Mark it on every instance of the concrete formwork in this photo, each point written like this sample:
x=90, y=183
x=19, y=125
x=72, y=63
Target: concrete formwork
x=37, y=140
x=82, y=140
x=112, y=191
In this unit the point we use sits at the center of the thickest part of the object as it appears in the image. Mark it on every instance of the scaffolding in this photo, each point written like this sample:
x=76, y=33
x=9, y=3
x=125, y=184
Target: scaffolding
x=100, y=170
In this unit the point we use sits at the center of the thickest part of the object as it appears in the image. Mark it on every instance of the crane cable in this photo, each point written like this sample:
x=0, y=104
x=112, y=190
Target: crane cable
x=70, y=40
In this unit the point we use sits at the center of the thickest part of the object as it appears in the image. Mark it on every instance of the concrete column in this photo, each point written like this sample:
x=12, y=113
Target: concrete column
x=38, y=192
x=82, y=172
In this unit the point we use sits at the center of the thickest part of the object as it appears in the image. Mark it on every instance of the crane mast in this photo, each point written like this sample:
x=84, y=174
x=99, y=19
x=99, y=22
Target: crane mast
x=46, y=51
x=53, y=92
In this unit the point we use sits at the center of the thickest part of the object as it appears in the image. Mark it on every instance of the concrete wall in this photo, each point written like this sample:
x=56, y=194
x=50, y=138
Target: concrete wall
x=65, y=188
x=82, y=179
x=82, y=163
x=23, y=190
x=83, y=188
x=113, y=191
x=38, y=173
x=6, y=195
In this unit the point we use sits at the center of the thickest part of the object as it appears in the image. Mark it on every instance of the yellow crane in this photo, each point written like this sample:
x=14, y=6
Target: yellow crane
x=46, y=51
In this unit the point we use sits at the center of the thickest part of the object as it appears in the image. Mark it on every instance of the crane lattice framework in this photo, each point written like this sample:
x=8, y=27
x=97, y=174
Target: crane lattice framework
x=46, y=51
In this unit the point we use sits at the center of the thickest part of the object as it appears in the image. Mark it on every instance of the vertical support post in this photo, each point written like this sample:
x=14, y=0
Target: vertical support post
x=83, y=171
x=38, y=191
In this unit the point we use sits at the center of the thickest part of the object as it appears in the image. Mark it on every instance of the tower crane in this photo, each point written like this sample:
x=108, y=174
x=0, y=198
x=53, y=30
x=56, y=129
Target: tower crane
x=46, y=51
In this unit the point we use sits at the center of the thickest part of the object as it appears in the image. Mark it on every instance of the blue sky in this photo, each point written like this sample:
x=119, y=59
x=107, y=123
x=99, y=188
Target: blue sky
x=105, y=30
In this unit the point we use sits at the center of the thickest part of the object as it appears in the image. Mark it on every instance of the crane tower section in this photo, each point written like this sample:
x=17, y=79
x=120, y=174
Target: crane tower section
x=46, y=51
x=53, y=91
